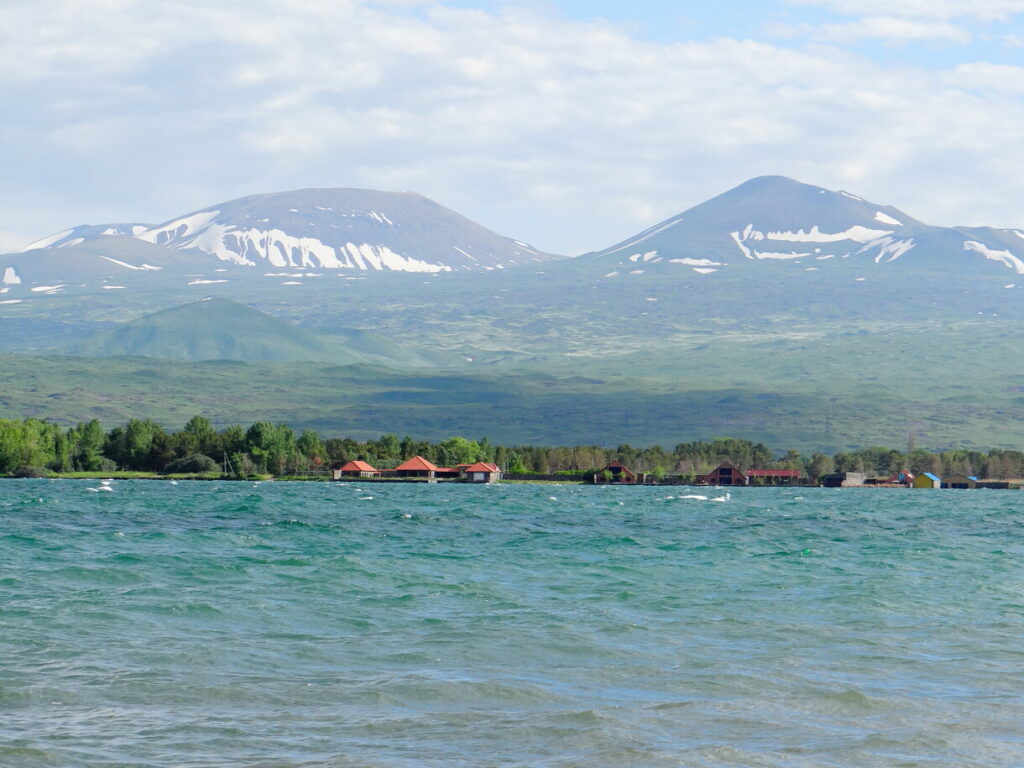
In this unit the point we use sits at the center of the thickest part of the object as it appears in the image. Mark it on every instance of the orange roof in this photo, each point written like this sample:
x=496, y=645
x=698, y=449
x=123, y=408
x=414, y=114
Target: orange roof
x=482, y=466
x=357, y=466
x=416, y=463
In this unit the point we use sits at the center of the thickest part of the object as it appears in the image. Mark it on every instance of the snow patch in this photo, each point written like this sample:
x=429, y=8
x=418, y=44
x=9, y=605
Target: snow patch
x=467, y=255
x=890, y=247
x=46, y=242
x=1007, y=258
x=11, y=301
x=612, y=274
x=112, y=287
x=206, y=282
x=704, y=270
x=380, y=257
x=637, y=272
x=174, y=232
x=143, y=268
x=879, y=216
x=856, y=233
x=647, y=235
x=780, y=256
x=11, y=277
x=1011, y=285
x=48, y=288
x=697, y=262
x=740, y=242
x=852, y=197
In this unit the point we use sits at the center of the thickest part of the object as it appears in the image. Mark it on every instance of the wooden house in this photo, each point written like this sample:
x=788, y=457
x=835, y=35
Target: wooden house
x=417, y=466
x=957, y=480
x=481, y=472
x=616, y=473
x=773, y=477
x=356, y=469
x=724, y=474
x=927, y=480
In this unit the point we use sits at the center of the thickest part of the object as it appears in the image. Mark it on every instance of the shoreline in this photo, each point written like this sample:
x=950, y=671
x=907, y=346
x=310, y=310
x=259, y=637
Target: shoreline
x=154, y=476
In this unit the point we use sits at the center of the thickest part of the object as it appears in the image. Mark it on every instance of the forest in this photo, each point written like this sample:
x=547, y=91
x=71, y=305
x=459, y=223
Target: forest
x=37, y=448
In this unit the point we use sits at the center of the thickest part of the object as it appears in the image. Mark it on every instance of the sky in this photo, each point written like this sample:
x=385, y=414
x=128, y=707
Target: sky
x=570, y=124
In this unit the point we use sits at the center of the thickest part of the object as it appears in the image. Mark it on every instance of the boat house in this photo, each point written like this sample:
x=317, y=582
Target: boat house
x=617, y=473
x=844, y=480
x=773, y=477
x=958, y=480
x=927, y=480
x=724, y=474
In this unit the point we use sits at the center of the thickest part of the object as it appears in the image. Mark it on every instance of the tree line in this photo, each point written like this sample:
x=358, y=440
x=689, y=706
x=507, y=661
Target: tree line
x=34, y=447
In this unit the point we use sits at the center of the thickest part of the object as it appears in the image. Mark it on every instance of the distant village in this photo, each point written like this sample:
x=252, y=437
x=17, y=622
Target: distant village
x=419, y=469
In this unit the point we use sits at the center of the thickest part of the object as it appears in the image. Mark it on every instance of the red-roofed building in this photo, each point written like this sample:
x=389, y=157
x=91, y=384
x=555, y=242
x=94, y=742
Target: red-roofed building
x=481, y=472
x=417, y=466
x=356, y=469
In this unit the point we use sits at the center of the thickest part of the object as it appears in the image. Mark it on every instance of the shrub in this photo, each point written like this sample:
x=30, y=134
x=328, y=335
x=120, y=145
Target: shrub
x=196, y=463
x=28, y=470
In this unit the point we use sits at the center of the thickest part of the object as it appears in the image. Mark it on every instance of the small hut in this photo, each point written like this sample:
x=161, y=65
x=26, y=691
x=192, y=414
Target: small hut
x=481, y=472
x=356, y=469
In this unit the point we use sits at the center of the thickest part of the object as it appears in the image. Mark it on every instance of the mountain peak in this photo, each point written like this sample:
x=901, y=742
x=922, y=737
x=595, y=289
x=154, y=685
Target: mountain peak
x=775, y=219
x=326, y=228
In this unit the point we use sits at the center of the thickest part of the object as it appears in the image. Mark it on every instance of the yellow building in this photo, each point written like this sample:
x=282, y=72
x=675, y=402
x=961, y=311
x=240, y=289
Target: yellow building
x=927, y=480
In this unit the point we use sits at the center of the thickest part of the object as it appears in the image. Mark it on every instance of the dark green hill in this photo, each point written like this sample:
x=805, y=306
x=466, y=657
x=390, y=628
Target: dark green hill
x=213, y=329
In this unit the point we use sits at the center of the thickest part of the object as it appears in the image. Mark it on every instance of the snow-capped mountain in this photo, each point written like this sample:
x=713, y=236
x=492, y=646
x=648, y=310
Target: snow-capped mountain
x=775, y=220
x=352, y=229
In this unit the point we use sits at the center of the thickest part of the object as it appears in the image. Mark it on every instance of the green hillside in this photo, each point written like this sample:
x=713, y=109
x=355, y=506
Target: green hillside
x=213, y=329
x=792, y=408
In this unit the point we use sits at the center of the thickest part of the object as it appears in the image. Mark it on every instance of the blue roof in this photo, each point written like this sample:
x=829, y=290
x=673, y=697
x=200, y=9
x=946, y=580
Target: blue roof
x=932, y=477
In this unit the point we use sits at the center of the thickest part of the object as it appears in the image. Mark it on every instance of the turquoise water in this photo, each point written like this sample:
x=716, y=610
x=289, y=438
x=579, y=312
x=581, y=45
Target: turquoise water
x=287, y=625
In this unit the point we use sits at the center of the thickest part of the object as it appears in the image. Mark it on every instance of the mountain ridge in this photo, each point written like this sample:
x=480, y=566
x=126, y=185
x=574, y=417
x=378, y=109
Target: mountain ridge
x=322, y=228
x=776, y=219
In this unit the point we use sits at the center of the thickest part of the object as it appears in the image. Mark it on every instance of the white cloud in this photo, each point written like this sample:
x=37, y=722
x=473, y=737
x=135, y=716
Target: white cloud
x=569, y=134
x=983, y=10
x=894, y=28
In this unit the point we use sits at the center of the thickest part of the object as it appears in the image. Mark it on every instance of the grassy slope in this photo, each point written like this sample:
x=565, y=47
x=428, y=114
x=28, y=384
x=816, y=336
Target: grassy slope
x=569, y=358
x=361, y=401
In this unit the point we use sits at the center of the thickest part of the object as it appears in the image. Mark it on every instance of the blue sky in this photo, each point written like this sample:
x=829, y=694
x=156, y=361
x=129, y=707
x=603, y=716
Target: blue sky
x=567, y=123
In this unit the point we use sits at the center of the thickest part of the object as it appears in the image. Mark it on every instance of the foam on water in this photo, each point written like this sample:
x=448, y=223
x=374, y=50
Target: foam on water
x=294, y=624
